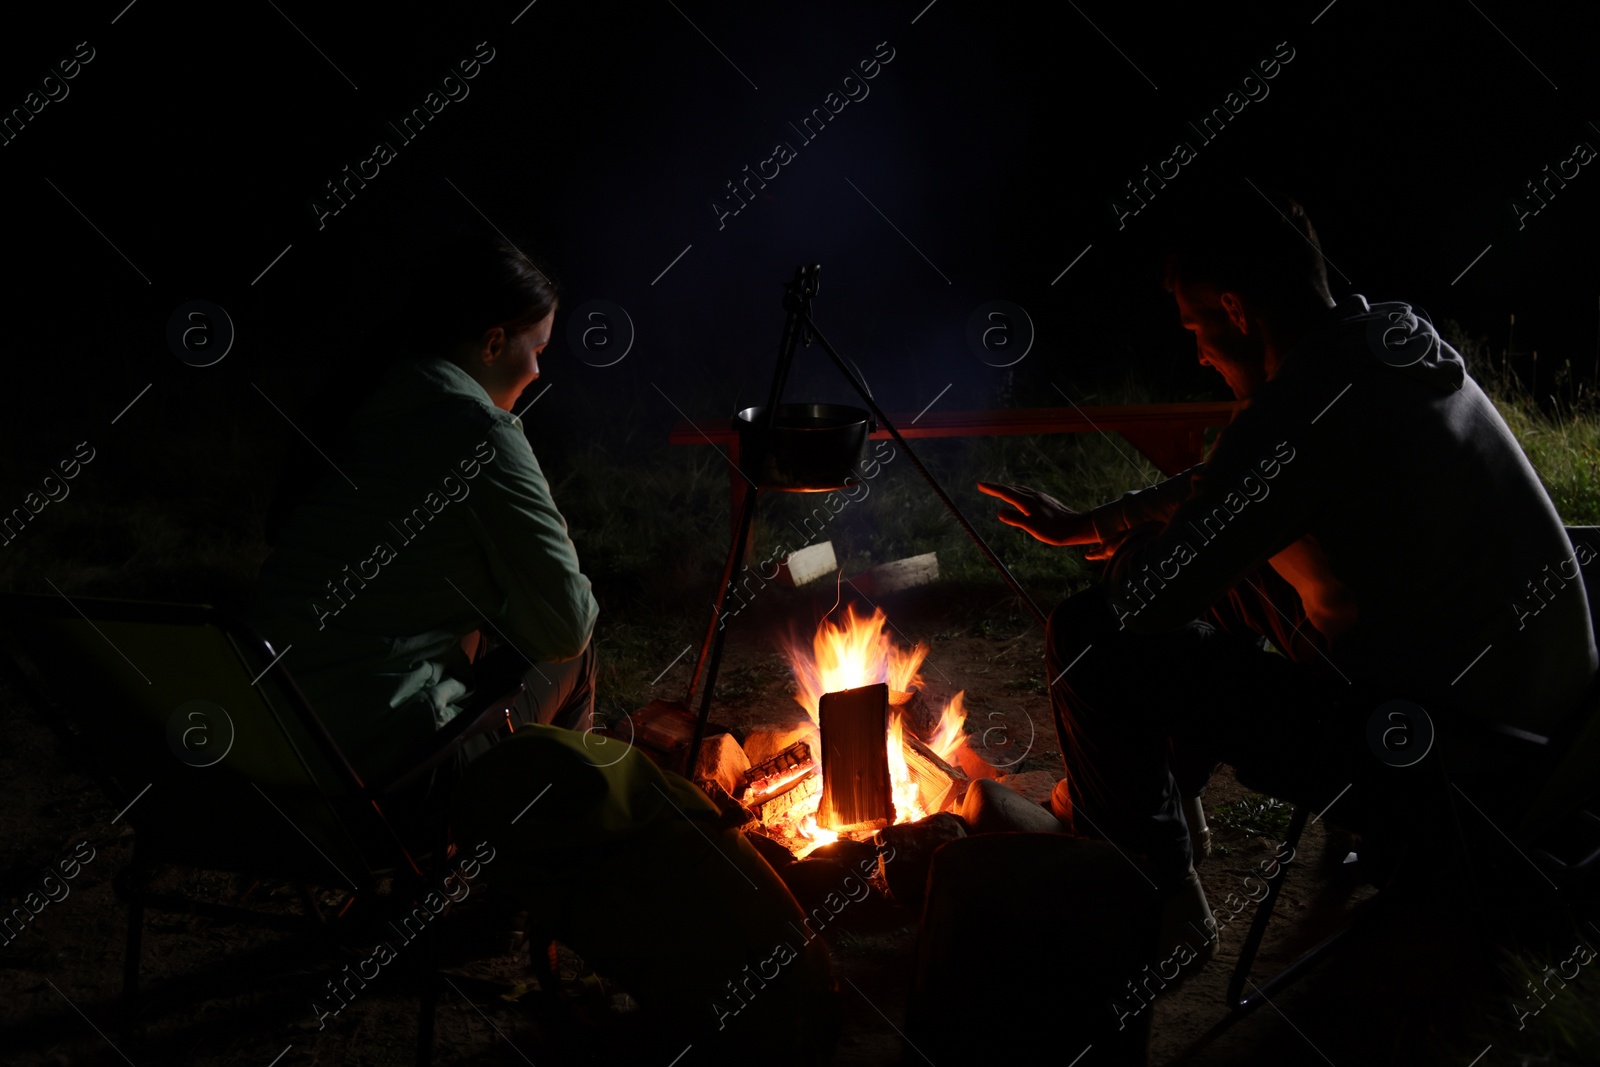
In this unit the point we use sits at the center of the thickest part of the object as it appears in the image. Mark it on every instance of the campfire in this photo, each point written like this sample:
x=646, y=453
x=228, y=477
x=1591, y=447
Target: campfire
x=884, y=757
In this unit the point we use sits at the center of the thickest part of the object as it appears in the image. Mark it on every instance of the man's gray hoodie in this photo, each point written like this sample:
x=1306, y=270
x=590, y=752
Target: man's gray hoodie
x=1374, y=475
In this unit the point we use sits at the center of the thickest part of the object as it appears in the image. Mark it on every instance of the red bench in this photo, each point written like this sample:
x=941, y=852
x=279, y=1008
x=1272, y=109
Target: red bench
x=1171, y=436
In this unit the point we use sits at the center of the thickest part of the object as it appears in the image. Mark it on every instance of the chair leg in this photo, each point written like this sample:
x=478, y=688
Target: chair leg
x=1238, y=1003
x=429, y=1002
x=131, y=883
x=130, y=957
x=428, y=1006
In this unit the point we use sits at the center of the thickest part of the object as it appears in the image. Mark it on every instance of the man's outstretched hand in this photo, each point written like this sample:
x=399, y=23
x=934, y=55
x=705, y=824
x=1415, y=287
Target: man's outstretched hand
x=1042, y=515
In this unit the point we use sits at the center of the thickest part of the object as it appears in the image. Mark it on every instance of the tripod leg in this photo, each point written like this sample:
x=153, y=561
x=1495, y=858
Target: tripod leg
x=716, y=630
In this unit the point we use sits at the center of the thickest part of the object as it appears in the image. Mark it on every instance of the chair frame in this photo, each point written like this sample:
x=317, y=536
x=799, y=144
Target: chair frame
x=489, y=708
x=1552, y=748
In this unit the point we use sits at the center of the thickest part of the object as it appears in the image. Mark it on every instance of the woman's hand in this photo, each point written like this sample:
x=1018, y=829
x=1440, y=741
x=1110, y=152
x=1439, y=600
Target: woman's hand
x=1042, y=515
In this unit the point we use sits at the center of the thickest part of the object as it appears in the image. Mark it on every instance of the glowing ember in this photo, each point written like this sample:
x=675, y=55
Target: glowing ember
x=855, y=653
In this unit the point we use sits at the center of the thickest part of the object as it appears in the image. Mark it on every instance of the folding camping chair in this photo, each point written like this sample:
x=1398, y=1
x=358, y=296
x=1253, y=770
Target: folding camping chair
x=1559, y=829
x=262, y=789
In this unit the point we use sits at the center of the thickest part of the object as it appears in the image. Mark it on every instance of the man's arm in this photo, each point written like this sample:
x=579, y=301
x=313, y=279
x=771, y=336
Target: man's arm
x=1246, y=504
x=549, y=610
x=1052, y=522
x=1140, y=506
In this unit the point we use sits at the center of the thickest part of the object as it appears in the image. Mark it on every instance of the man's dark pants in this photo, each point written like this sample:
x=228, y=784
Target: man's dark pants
x=1145, y=719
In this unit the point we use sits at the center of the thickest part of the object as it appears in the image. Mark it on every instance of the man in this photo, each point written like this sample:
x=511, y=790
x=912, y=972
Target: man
x=432, y=527
x=1367, y=512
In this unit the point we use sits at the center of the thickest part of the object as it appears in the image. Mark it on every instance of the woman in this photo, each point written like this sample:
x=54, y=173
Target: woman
x=430, y=527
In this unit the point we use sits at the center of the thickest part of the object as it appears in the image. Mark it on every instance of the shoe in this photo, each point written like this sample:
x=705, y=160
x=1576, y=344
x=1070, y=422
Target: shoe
x=1187, y=920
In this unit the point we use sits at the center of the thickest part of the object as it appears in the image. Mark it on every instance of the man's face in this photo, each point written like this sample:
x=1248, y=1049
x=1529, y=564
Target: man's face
x=1239, y=356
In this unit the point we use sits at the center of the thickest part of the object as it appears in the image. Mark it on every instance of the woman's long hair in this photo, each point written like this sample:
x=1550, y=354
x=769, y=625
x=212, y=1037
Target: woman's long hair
x=466, y=286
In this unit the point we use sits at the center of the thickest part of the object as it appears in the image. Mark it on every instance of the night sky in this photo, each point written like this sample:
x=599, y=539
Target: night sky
x=156, y=154
x=981, y=159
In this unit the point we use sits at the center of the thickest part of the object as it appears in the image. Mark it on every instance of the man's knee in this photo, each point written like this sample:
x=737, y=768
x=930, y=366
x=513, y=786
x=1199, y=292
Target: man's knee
x=1076, y=621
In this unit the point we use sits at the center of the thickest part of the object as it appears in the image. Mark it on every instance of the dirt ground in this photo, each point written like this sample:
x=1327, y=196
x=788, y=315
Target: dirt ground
x=222, y=993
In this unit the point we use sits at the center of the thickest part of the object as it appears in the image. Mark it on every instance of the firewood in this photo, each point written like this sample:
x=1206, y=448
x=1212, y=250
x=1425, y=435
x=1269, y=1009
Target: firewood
x=856, y=790
x=939, y=784
x=763, y=740
x=771, y=775
x=779, y=804
x=921, y=715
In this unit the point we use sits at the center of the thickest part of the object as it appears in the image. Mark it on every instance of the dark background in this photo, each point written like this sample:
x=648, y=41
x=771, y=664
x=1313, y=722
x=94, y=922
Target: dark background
x=197, y=137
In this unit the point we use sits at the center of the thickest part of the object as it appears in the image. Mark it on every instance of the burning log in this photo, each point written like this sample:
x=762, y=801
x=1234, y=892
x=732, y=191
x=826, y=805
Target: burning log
x=856, y=789
x=920, y=715
x=769, y=776
x=939, y=784
x=774, y=806
x=764, y=740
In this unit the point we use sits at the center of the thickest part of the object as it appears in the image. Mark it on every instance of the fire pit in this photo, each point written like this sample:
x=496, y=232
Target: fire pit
x=877, y=752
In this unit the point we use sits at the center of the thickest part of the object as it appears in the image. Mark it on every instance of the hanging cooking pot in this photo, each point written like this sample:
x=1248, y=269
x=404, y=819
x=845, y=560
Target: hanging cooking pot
x=813, y=448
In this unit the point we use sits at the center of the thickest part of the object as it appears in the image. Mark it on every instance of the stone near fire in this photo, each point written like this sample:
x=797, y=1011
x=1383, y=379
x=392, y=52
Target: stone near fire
x=992, y=808
x=901, y=574
x=765, y=740
x=733, y=813
x=1087, y=924
x=1033, y=786
x=807, y=564
x=908, y=850
x=857, y=855
x=723, y=761
x=774, y=852
x=973, y=764
x=833, y=895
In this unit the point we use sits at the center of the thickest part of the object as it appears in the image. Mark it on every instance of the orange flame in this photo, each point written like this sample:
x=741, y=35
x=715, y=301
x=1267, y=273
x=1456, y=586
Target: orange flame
x=852, y=654
x=948, y=736
x=907, y=799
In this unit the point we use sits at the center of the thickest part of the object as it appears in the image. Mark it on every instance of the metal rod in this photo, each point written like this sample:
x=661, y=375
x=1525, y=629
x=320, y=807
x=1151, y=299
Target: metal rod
x=797, y=296
x=797, y=302
x=883, y=420
x=718, y=629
